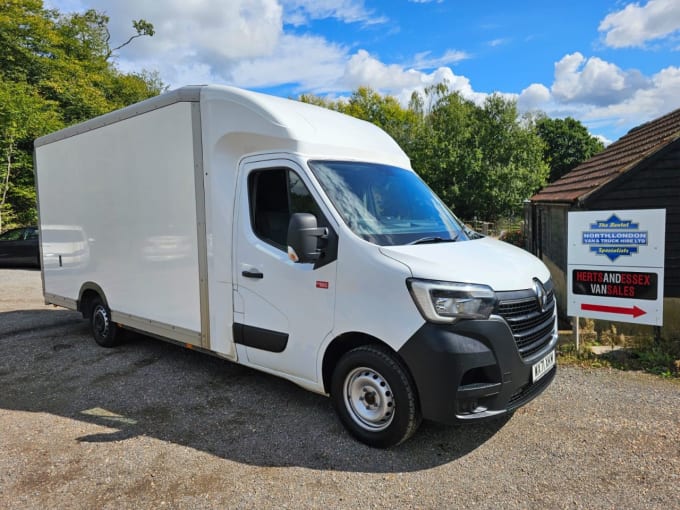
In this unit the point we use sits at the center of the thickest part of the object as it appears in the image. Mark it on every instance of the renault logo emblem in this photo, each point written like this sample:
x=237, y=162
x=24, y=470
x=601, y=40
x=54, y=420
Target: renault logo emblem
x=541, y=294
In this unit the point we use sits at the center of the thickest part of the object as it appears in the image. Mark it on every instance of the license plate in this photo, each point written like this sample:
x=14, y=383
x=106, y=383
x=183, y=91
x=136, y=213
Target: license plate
x=543, y=367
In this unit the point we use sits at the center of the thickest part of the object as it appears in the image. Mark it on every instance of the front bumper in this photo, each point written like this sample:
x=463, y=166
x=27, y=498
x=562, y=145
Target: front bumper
x=472, y=370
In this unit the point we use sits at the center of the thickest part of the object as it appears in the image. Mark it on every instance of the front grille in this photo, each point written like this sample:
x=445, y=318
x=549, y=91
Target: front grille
x=531, y=327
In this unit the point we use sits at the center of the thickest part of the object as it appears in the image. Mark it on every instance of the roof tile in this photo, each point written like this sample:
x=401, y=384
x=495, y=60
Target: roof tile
x=624, y=154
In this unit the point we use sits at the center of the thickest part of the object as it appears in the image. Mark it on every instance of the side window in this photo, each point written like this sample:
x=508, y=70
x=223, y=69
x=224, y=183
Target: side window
x=274, y=196
x=301, y=200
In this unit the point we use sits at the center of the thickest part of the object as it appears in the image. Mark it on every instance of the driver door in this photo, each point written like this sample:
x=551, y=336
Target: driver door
x=283, y=310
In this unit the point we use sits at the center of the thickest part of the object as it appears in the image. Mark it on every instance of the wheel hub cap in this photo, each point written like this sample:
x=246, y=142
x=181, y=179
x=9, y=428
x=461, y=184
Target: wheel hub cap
x=101, y=321
x=369, y=399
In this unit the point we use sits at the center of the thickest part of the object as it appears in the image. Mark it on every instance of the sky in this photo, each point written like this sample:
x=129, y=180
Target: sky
x=612, y=64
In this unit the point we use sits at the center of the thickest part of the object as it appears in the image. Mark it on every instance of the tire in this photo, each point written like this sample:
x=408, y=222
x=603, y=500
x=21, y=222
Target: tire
x=374, y=396
x=104, y=331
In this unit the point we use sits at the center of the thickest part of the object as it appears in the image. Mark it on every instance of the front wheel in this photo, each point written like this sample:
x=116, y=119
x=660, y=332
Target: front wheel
x=374, y=396
x=104, y=330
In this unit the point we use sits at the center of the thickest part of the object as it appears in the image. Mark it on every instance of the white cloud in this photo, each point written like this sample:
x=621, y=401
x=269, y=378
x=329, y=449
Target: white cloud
x=244, y=43
x=534, y=97
x=594, y=81
x=605, y=141
x=364, y=70
x=299, y=12
x=636, y=24
x=190, y=32
x=575, y=93
x=312, y=63
x=239, y=42
x=247, y=43
x=645, y=104
x=424, y=60
x=456, y=83
x=498, y=42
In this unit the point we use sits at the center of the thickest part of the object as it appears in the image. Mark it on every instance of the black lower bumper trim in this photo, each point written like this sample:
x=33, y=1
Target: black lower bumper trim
x=531, y=391
x=471, y=370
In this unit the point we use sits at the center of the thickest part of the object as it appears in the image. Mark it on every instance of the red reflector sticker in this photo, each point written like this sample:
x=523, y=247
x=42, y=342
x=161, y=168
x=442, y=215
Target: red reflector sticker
x=321, y=285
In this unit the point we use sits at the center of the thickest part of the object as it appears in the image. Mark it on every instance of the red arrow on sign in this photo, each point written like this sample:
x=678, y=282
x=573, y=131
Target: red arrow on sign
x=635, y=311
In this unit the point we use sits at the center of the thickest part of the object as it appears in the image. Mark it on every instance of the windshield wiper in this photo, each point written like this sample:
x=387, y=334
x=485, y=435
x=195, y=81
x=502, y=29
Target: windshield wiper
x=432, y=240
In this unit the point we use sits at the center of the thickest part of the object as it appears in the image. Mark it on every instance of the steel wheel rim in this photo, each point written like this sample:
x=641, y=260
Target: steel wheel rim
x=369, y=399
x=101, y=321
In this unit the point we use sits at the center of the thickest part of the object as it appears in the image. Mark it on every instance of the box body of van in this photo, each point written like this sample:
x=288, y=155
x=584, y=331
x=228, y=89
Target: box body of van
x=297, y=241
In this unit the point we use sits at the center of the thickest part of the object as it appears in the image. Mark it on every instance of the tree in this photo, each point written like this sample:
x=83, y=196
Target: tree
x=142, y=27
x=318, y=101
x=444, y=152
x=24, y=115
x=482, y=161
x=512, y=160
x=567, y=144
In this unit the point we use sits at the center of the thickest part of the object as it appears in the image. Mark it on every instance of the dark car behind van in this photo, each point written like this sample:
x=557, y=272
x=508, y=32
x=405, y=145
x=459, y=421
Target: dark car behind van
x=19, y=247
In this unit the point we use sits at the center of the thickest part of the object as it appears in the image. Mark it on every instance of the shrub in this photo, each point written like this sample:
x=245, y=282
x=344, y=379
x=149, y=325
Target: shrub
x=514, y=237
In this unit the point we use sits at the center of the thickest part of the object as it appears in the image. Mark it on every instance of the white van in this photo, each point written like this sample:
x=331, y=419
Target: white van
x=297, y=241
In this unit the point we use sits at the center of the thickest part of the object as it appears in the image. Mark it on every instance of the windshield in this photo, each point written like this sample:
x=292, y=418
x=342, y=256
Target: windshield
x=386, y=205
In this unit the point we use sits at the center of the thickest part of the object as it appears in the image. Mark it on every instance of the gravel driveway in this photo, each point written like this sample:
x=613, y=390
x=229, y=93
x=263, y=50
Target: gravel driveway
x=152, y=425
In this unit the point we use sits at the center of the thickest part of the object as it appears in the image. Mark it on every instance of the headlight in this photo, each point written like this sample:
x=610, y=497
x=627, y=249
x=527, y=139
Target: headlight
x=445, y=302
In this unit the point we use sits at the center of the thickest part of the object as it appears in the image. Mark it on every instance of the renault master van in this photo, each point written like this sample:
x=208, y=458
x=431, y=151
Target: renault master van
x=297, y=241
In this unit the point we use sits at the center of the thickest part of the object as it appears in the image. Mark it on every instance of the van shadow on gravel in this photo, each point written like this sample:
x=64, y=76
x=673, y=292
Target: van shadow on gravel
x=152, y=388
x=34, y=321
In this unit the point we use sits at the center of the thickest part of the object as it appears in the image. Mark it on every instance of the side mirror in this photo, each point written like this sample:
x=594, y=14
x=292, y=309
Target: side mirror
x=303, y=238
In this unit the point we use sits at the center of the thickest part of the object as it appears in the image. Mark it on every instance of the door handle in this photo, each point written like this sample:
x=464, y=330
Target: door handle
x=252, y=274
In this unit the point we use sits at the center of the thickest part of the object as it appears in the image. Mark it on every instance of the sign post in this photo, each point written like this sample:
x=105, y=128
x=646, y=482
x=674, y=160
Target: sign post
x=615, y=262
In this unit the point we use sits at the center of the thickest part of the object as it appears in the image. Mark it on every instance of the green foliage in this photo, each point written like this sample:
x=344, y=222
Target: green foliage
x=445, y=153
x=656, y=356
x=54, y=71
x=656, y=361
x=24, y=115
x=482, y=160
x=511, y=167
x=567, y=144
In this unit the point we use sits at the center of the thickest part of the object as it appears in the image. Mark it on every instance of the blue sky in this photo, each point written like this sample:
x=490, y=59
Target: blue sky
x=611, y=64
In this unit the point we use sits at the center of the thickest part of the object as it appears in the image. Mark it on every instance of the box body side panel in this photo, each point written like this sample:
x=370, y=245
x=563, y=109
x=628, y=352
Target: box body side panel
x=118, y=208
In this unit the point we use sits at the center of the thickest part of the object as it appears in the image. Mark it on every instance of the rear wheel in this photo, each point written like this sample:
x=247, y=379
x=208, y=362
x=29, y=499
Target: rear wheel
x=104, y=331
x=374, y=396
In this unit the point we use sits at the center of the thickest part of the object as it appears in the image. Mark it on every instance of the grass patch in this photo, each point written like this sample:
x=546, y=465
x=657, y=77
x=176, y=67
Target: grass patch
x=640, y=353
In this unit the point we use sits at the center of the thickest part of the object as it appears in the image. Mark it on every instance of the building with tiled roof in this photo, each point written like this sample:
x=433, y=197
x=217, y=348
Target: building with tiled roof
x=641, y=170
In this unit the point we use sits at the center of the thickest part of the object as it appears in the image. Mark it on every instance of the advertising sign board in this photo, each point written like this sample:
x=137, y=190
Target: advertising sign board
x=615, y=264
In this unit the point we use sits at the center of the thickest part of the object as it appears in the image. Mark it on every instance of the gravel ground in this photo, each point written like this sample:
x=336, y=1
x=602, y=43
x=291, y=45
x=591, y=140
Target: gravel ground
x=152, y=425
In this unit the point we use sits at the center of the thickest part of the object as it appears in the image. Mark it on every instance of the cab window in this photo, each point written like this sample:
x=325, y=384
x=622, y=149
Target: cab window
x=275, y=195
